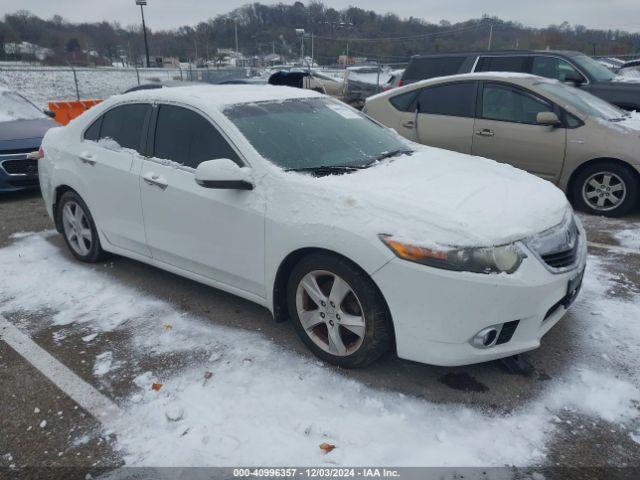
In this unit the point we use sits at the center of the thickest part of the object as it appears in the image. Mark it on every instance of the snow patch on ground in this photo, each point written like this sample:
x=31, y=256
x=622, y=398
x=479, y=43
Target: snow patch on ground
x=254, y=403
x=102, y=365
x=629, y=238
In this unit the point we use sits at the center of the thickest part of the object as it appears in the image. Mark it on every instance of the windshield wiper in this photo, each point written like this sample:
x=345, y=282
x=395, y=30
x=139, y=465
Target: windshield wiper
x=392, y=153
x=327, y=169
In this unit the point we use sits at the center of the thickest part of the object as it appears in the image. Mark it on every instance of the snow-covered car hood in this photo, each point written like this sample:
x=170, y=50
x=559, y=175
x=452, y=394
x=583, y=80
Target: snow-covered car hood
x=433, y=197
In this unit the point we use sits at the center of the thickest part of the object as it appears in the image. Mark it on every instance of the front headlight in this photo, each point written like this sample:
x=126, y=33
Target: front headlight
x=503, y=259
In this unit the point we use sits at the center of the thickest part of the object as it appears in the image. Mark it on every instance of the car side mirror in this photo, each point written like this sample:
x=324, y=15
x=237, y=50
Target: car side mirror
x=574, y=78
x=223, y=174
x=548, y=118
x=49, y=113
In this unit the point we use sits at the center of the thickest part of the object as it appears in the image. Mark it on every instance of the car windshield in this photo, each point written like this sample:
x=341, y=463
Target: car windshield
x=598, y=71
x=16, y=107
x=583, y=101
x=313, y=133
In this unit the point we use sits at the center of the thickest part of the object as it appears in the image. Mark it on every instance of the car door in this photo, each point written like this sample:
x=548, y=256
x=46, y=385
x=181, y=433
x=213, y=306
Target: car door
x=506, y=131
x=109, y=163
x=444, y=116
x=215, y=233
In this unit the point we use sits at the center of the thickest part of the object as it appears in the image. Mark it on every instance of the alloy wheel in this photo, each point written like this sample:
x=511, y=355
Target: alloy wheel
x=604, y=191
x=330, y=313
x=76, y=228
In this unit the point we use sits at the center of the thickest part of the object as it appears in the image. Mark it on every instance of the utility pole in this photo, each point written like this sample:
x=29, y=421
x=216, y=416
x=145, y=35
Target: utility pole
x=311, y=49
x=490, y=36
x=142, y=4
x=346, y=59
x=236, y=25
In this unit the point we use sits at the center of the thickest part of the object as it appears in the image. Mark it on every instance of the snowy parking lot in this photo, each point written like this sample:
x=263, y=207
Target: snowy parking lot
x=196, y=377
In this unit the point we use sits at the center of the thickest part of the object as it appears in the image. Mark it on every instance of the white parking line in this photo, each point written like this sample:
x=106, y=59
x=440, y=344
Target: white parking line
x=96, y=404
x=614, y=248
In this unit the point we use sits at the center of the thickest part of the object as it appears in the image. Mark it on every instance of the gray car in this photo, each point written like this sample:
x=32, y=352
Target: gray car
x=566, y=66
x=22, y=126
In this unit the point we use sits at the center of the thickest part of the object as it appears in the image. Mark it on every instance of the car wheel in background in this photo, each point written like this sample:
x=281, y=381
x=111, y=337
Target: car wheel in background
x=78, y=228
x=338, y=311
x=606, y=188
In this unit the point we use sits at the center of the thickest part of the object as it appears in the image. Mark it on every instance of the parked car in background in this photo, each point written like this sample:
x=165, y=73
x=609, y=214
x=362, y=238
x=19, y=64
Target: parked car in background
x=22, y=126
x=586, y=146
x=293, y=200
x=570, y=67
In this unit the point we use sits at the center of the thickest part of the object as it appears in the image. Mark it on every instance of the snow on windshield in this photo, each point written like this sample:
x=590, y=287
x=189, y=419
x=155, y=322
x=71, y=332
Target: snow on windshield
x=15, y=107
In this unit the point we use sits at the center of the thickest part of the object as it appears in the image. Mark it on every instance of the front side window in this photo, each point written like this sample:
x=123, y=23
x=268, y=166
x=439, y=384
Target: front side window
x=186, y=137
x=455, y=99
x=312, y=132
x=552, y=67
x=124, y=124
x=506, y=104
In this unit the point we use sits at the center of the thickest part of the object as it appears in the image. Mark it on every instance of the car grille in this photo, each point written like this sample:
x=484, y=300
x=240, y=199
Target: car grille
x=563, y=259
x=24, y=182
x=20, y=167
x=558, y=248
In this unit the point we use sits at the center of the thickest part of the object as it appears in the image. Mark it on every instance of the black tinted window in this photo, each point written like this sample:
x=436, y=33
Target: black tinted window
x=93, y=132
x=429, y=67
x=403, y=102
x=456, y=99
x=186, y=137
x=500, y=102
x=552, y=67
x=503, y=64
x=124, y=125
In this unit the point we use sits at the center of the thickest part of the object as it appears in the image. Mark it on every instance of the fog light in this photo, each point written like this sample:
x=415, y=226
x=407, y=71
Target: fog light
x=485, y=338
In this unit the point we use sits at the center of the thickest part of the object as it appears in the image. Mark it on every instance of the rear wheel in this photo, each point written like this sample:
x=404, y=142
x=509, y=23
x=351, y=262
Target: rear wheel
x=78, y=228
x=606, y=188
x=338, y=311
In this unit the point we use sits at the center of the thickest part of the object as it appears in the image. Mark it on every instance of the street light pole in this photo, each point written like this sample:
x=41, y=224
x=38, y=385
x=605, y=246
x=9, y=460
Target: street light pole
x=142, y=3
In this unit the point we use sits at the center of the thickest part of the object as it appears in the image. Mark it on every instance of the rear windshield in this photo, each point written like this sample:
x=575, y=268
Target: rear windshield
x=429, y=67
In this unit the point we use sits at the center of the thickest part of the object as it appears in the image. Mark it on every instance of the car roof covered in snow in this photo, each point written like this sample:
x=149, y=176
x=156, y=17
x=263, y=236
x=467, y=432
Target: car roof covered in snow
x=220, y=96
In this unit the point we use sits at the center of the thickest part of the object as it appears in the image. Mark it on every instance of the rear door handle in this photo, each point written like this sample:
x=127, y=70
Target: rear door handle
x=485, y=132
x=88, y=158
x=154, y=179
x=409, y=124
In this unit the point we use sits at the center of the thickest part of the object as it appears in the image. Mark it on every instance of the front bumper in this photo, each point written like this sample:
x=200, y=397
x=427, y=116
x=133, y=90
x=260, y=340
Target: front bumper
x=437, y=312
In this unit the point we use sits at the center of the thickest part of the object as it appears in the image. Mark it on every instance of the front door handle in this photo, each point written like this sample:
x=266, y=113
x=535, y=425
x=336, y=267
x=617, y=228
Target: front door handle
x=88, y=158
x=154, y=179
x=409, y=124
x=485, y=132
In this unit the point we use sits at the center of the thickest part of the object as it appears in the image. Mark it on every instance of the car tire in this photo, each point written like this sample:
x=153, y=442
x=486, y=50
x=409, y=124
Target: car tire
x=597, y=183
x=352, y=332
x=78, y=228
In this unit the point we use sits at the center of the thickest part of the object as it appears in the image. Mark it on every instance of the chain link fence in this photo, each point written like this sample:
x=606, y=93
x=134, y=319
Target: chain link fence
x=44, y=84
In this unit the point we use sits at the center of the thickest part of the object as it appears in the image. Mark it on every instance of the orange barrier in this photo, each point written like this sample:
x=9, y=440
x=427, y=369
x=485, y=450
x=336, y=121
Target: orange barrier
x=67, y=111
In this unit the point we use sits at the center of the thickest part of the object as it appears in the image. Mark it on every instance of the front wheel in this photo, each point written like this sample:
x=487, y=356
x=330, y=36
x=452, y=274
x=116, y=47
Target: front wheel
x=606, y=188
x=78, y=228
x=338, y=311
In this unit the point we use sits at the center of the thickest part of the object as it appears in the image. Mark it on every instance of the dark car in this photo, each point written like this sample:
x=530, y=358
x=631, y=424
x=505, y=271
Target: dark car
x=566, y=66
x=22, y=126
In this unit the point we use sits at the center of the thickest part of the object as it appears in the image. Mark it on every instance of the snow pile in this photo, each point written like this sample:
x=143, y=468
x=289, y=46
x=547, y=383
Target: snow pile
x=628, y=238
x=253, y=403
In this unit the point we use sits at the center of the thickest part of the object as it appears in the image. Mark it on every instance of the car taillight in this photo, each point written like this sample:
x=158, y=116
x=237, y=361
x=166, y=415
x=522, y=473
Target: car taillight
x=40, y=153
x=36, y=155
x=401, y=83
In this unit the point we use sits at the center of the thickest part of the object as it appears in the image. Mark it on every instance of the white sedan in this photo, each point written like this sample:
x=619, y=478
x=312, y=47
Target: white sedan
x=292, y=200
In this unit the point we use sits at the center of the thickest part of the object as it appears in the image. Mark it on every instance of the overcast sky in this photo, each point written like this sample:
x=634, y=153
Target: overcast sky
x=615, y=14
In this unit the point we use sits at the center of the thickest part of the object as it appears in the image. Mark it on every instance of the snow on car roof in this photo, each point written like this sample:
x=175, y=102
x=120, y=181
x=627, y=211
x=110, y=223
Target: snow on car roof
x=220, y=96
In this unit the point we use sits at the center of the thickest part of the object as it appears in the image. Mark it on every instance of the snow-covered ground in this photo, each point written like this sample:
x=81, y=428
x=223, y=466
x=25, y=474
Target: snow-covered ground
x=243, y=400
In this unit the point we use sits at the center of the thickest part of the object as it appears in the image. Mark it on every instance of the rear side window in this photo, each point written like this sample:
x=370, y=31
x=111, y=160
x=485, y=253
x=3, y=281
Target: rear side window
x=124, y=125
x=93, y=132
x=405, y=101
x=429, y=67
x=503, y=64
x=186, y=137
x=454, y=99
